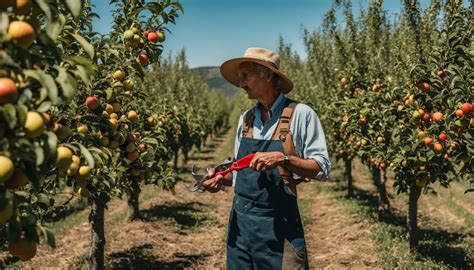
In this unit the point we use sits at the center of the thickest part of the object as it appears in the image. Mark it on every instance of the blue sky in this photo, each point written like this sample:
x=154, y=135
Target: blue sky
x=212, y=31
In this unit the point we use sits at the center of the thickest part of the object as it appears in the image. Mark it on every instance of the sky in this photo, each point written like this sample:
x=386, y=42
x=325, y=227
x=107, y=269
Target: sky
x=213, y=31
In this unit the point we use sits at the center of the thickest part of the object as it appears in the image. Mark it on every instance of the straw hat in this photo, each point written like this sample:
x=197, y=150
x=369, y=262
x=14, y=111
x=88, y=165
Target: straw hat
x=264, y=57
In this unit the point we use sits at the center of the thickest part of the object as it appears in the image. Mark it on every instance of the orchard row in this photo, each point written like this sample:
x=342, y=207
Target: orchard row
x=395, y=93
x=76, y=112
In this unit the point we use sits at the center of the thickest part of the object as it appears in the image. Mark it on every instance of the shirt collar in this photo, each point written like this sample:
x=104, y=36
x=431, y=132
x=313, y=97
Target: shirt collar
x=276, y=105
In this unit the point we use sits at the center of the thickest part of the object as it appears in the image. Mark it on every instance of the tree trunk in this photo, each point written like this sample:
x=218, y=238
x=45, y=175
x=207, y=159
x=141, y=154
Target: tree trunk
x=96, y=255
x=133, y=203
x=185, y=157
x=176, y=159
x=412, y=218
x=348, y=173
x=379, y=177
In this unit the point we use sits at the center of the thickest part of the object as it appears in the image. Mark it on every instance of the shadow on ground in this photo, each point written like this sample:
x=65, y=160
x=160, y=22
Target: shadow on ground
x=185, y=215
x=141, y=257
x=443, y=247
x=435, y=243
x=205, y=158
x=64, y=211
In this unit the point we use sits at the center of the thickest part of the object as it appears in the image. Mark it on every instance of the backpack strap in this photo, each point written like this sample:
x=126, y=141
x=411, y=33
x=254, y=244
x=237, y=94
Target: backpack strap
x=247, y=125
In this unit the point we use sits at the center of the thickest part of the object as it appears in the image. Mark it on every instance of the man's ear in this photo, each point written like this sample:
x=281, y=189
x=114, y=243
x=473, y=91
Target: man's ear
x=269, y=76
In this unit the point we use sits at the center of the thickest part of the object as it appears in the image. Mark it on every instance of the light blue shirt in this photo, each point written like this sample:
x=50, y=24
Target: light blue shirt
x=307, y=133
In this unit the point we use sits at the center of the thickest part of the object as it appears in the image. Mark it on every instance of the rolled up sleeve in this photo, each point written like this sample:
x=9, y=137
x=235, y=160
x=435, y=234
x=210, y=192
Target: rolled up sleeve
x=238, y=137
x=314, y=143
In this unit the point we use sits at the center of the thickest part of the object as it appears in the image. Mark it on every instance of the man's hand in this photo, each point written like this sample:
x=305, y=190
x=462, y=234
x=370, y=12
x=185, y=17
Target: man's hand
x=213, y=184
x=263, y=161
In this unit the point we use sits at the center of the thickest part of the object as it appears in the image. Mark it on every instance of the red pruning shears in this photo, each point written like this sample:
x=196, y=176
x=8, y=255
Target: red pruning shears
x=227, y=166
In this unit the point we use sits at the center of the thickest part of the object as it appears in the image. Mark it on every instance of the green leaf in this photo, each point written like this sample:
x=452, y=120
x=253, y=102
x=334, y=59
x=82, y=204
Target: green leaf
x=43, y=201
x=48, y=236
x=78, y=60
x=87, y=155
x=39, y=154
x=9, y=114
x=52, y=143
x=45, y=106
x=179, y=6
x=21, y=113
x=85, y=44
x=46, y=81
x=44, y=6
x=109, y=93
x=53, y=29
x=3, y=23
x=75, y=7
x=81, y=72
x=67, y=82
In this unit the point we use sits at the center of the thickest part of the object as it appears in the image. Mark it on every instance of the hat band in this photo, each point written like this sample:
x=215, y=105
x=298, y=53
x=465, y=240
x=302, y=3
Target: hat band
x=273, y=64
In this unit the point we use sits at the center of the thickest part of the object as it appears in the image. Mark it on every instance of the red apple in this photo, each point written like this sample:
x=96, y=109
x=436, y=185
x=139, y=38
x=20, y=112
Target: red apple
x=428, y=140
x=92, y=102
x=442, y=137
x=426, y=117
x=425, y=86
x=466, y=108
x=153, y=37
x=143, y=58
x=8, y=91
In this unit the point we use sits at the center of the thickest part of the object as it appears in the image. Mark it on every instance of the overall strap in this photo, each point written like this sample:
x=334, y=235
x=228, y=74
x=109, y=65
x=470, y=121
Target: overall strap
x=283, y=127
x=282, y=133
x=247, y=125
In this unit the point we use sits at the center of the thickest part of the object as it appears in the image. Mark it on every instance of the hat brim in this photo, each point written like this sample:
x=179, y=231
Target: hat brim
x=229, y=70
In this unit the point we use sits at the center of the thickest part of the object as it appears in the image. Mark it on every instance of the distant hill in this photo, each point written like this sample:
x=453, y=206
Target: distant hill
x=215, y=80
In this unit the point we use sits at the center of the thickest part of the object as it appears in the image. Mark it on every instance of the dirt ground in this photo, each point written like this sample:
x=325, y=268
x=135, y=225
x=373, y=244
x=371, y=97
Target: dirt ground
x=188, y=230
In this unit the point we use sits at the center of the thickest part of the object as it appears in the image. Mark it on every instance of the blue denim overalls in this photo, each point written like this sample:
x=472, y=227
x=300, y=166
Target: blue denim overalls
x=265, y=229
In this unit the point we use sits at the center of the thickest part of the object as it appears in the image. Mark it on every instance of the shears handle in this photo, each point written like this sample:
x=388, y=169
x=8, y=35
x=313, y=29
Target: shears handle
x=237, y=165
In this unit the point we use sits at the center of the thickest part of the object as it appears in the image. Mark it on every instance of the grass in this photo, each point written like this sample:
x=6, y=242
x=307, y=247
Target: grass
x=72, y=219
x=441, y=247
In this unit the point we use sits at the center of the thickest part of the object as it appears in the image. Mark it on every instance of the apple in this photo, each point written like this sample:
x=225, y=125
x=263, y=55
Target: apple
x=64, y=157
x=437, y=117
x=84, y=172
x=425, y=86
x=82, y=129
x=466, y=108
x=119, y=75
x=426, y=117
x=132, y=116
x=428, y=140
x=153, y=37
x=132, y=156
x=8, y=91
x=6, y=169
x=92, y=102
x=143, y=59
x=34, y=124
x=128, y=35
x=22, y=33
x=161, y=36
x=442, y=137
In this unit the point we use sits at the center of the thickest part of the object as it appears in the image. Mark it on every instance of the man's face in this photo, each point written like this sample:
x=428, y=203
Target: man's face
x=251, y=82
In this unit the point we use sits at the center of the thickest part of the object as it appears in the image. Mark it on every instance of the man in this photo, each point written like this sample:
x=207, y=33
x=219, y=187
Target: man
x=265, y=230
